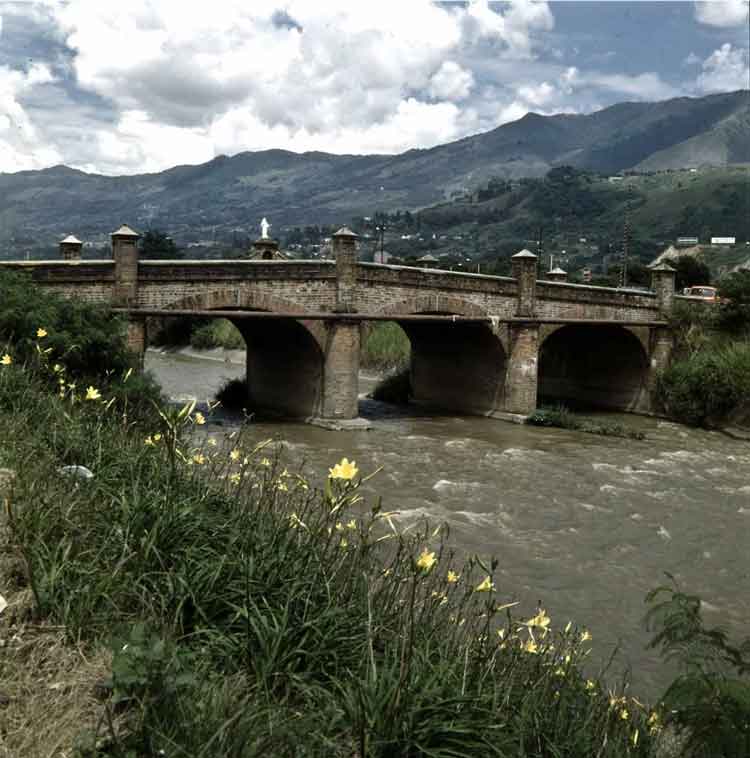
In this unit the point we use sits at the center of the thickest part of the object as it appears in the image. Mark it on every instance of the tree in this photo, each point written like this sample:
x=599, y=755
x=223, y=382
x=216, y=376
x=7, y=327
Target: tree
x=735, y=312
x=159, y=245
x=690, y=271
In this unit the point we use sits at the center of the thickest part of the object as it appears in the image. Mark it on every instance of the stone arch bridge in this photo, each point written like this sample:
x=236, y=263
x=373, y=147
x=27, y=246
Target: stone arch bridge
x=480, y=344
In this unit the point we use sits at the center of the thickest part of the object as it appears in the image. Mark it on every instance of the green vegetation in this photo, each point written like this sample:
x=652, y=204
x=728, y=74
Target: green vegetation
x=217, y=333
x=247, y=613
x=708, y=704
x=708, y=383
x=563, y=418
x=233, y=395
x=394, y=388
x=385, y=347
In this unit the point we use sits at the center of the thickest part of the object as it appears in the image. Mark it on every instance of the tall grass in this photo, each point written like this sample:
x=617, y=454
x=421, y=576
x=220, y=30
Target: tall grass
x=385, y=347
x=251, y=614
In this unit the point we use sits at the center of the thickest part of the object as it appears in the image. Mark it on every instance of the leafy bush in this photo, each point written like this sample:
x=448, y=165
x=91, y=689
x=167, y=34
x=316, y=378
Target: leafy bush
x=234, y=395
x=734, y=315
x=217, y=333
x=706, y=387
x=394, y=388
x=709, y=702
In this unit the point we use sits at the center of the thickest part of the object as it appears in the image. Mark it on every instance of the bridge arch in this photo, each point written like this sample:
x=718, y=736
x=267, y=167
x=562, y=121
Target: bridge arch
x=285, y=357
x=455, y=366
x=603, y=366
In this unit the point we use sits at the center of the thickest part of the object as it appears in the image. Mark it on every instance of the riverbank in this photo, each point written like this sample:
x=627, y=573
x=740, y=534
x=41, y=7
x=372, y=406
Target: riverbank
x=234, y=604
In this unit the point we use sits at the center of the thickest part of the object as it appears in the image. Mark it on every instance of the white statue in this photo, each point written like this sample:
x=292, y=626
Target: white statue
x=264, y=227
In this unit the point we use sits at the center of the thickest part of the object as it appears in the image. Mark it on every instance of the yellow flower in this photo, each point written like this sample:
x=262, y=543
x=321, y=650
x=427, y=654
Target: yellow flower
x=57, y=368
x=540, y=621
x=149, y=441
x=235, y=478
x=344, y=470
x=200, y=419
x=157, y=437
x=559, y=671
x=426, y=560
x=654, y=723
x=485, y=586
x=199, y=458
x=339, y=526
x=589, y=685
x=264, y=462
x=235, y=455
x=92, y=393
x=41, y=332
x=351, y=524
x=585, y=635
x=281, y=487
x=624, y=715
x=6, y=360
x=529, y=646
x=453, y=577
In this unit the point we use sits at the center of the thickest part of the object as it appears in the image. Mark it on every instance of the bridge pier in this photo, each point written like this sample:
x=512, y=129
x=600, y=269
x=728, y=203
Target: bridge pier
x=522, y=370
x=340, y=400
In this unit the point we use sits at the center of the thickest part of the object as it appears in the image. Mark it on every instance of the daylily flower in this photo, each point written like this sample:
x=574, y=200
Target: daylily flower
x=199, y=458
x=486, y=586
x=6, y=360
x=235, y=455
x=585, y=635
x=453, y=577
x=92, y=393
x=540, y=621
x=200, y=419
x=351, y=524
x=346, y=470
x=426, y=560
x=57, y=368
x=529, y=646
x=41, y=332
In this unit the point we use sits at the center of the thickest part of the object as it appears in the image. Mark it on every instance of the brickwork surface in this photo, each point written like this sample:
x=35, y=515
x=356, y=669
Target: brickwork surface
x=309, y=368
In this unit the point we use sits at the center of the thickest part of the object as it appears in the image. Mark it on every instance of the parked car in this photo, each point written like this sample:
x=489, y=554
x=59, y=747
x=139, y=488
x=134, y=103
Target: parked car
x=702, y=292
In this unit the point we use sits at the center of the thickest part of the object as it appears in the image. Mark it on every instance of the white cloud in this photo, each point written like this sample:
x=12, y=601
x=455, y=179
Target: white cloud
x=451, y=82
x=646, y=86
x=190, y=80
x=722, y=13
x=21, y=145
x=538, y=95
x=725, y=70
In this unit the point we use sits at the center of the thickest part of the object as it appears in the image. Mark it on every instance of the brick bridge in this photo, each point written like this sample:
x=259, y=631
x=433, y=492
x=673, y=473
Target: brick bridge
x=480, y=344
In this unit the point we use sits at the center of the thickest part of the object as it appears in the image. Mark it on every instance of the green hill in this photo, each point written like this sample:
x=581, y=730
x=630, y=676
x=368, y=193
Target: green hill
x=230, y=194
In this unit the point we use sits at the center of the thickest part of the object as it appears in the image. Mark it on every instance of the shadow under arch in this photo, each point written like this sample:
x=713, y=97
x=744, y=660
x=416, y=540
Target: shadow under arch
x=284, y=356
x=454, y=366
x=593, y=366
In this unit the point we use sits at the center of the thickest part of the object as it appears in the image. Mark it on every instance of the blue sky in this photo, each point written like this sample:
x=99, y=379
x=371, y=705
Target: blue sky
x=130, y=86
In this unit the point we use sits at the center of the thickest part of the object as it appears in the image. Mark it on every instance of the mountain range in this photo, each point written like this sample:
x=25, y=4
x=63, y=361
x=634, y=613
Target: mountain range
x=192, y=202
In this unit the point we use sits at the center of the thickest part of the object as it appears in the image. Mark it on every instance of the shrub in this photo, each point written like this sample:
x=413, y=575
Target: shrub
x=394, y=388
x=563, y=418
x=234, y=395
x=705, y=388
x=709, y=702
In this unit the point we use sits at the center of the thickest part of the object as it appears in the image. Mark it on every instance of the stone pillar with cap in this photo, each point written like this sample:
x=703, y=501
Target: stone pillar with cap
x=524, y=268
x=70, y=248
x=342, y=345
x=557, y=275
x=345, y=255
x=125, y=291
x=523, y=357
x=662, y=283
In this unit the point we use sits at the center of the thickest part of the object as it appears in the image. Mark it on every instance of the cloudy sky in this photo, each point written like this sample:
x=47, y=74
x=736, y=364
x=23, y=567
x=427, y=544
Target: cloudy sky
x=131, y=86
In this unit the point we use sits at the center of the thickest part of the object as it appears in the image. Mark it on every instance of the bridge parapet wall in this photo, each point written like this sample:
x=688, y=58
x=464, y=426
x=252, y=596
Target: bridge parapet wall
x=564, y=300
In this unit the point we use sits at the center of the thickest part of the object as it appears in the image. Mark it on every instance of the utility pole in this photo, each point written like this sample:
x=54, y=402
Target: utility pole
x=540, y=244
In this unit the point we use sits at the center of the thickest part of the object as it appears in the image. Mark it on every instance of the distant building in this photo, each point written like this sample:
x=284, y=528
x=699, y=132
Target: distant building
x=427, y=260
x=686, y=241
x=723, y=240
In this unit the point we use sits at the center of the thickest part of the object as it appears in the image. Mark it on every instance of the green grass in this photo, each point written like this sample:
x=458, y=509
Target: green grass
x=562, y=418
x=385, y=347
